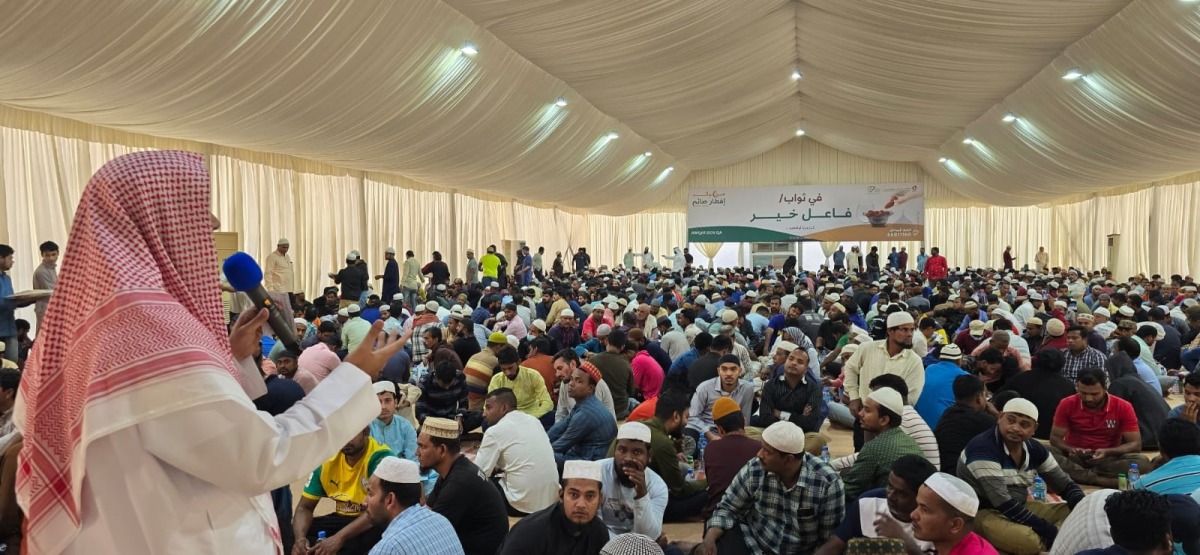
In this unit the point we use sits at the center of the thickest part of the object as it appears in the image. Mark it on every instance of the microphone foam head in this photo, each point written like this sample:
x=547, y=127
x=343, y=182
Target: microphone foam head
x=242, y=271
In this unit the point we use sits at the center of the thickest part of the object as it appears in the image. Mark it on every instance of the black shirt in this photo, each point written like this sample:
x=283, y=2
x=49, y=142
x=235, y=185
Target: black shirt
x=778, y=395
x=702, y=369
x=550, y=532
x=1044, y=390
x=958, y=426
x=1148, y=405
x=1166, y=351
x=353, y=280
x=466, y=347
x=439, y=272
x=473, y=506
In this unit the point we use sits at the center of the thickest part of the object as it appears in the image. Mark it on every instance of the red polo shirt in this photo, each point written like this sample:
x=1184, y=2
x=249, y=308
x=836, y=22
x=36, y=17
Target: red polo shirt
x=1095, y=429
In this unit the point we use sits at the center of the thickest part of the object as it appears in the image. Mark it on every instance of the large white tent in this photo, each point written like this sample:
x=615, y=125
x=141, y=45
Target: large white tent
x=452, y=124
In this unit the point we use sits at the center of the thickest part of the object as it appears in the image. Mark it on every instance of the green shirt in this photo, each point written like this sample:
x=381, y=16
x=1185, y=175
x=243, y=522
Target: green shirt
x=530, y=389
x=870, y=470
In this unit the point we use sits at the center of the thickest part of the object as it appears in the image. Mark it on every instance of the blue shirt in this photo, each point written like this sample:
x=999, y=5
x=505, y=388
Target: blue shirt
x=8, y=317
x=370, y=314
x=938, y=394
x=684, y=361
x=418, y=531
x=399, y=436
x=585, y=433
x=1179, y=475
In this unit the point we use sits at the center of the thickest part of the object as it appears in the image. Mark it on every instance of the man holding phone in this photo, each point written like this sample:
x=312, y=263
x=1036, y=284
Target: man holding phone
x=1095, y=435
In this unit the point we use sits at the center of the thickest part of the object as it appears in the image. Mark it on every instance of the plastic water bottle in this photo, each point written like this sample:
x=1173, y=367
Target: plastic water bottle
x=1133, y=476
x=320, y=536
x=1039, y=489
x=827, y=395
x=691, y=475
x=825, y=454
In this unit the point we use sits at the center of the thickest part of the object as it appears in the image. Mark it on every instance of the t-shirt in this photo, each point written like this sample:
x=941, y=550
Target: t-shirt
x=490, y=264
x=938, y=394
x=723, y=458
x=1095, y=429
x=973, y=544
x=346, y=485
x=861, y=515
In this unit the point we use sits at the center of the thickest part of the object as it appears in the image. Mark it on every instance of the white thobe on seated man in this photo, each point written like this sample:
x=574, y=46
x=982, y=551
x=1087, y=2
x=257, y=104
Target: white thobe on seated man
x=517, y=456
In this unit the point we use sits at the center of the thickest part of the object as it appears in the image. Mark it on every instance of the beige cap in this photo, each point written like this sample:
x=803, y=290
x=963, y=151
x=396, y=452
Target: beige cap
x=444, y=428
x=1024, y=407
x=784, y=436
x=634, y=430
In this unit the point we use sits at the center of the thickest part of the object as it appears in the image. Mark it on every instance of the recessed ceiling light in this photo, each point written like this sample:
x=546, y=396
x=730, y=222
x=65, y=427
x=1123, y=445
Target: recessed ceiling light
x=560, y=102
x=796, y=75
x=1009, y=117
x=613, y=135
x=968, y=141
x=469, y=49
x=1073, y=74
x=670, y=169
x=942, y=159
x=648, y=154
x=799, y=132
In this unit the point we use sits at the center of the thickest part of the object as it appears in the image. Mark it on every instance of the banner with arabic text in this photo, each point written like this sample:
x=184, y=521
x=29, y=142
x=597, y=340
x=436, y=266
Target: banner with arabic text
x=877, y=212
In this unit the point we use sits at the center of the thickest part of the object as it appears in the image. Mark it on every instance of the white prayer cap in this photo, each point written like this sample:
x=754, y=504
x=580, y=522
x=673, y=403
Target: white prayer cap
x=634, y=430
x=950, y=352
x=585, y=470
x=896, y=319
x=631, y=544
x=299, y=321
x=597, y=306
x=614, y=306
x=419, y=308
x=444, y=428
x=397, y=470
x=566, y=313
x=1161, y=332
x=1060, y=304
x=385, y=386
x=283, y=241
x=833, y=297
x=701, y=299
x=888, y=398
x=1126, y=311
x=432, y=306
x=752, y=294
x=512, y=340
x=971, y=304
x=383, y=307
x=354, y=309
x=390, y=250
x=1024, y=407
x=603, y=330
x=787, y=346
x=1101, y=311
x=398, y=297
x=1190, y=302
x=838, y=307
x=955, y=491
x=784, y=436
x=353, y=255
x=1035, y=296
x=539, y=324
x=728, y=316
x=1085, y=318
x=344, y=313
x=850, y=348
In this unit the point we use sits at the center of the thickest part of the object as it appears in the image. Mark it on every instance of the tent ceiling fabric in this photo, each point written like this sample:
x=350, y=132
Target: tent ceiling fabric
x=382, y=86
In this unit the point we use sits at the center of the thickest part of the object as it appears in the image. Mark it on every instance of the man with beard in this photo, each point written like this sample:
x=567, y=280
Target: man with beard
x=878, y=513
x=565, y=363
x=569, y=527
x=394, y=504
x=463, y=494
x=892, y=355
x=990, y=465
x=635, y=497
x=342, y=479
x=587, y=430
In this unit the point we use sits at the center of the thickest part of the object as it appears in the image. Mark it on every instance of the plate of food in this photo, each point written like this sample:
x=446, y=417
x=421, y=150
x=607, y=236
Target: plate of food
x=31, y=295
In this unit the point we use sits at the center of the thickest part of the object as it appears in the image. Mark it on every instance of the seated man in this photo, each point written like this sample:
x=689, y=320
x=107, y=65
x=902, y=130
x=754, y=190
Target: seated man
x=342, y=479
x=938, y=394
x=970, y=415
x=894, y=503
x=911, y=424
x=1096, y=435
x=395, y=433
x=989, y=465
x=586, y=432
x=880, y=415
x=1178, y=469
x=726, y=455
x=635, y=498
x=463, y=494
x=394, y=504
x=565, y=363
x=728, y=383
x=783, y=501
x=516, y=455
x=1140, y=522
x=444, y=395
x=795, y=396
x=686, y=498
x=527, y=384
x=1189, y=409
x=571, y=526
x=946, y=508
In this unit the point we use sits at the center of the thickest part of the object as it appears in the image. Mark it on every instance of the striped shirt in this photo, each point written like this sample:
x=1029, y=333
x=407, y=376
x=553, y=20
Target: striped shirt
x=1003, y=485
x=1179, y=475
x=915, y=427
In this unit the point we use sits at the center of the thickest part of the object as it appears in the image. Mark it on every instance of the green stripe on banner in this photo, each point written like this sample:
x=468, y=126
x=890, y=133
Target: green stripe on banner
x=738, y=234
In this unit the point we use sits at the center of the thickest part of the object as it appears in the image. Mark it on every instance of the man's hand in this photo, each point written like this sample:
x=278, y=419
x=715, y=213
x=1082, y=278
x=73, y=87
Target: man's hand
x=1100, y=454
x=1190, y=412
x=888, y=527
x=637, y=474
x=374, y=351
x=300, y=547
x=329, y=546
x=706, y=548
x=246, y=333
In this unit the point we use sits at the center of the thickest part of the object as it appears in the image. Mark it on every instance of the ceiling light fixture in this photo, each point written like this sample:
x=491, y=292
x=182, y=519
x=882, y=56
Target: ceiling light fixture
x=1009, y=117
x=560, y=102
x=796, y=75
x=670, y=169
x=799, y=132
x=648, y=154
x=469, y=49
x=942, y=160
x=1073, y=74
x=612, y=136
x=968, y=141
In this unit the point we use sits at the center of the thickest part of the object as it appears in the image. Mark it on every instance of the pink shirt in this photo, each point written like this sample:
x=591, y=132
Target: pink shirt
x=973, y=544
x=647, y=374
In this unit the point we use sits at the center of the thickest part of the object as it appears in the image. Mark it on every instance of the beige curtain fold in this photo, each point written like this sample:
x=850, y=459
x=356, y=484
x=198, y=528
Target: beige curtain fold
x=709, y=250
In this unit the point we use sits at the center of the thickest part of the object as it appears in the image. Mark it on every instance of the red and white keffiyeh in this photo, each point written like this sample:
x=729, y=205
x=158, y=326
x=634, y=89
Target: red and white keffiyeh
x=137, y=300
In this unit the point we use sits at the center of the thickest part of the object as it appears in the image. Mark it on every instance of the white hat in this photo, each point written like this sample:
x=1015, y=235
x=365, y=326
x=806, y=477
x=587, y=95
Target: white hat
x=833, y=297
x=950, y=352
x=1035, y=296
x=752, y=294
x=614, y=306
x=1024, y=407
x=583, y=470
x=784, y=436
x=299, y=321
x=1084, y=318
x=701, y=299
x=1125, y=311
x=603, y=330
x=630, y=543
x=344, y=313
x=1101, y=311
x=432, y=306
x=441, y=287
x=385, y=386
x=634, y=430
x=283, y=241
x=896, y=319
x=597, y=306
x=850, y=348
x=398, y=297
x=419, y=308
x=354, y=309
x=539, y=324
x=1060, y=303
x=1053, y=285
x=955, y=491
x=397, y=470
x=729, y=316
x=566, y=313
x=513, y=341
x=838, y=306
x=971, y=304
x=385, y=307
x=1161, y=332
x=444, y=428
x=782, y=345
x=888, y=398
x=390, y=250
x=976, y=328
x=353, y=255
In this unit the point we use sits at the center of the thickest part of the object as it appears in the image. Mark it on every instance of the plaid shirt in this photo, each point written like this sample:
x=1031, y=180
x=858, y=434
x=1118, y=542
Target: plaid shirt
x=779, y=520
x=419, y=350
x=418, y=531
x=1073, y=363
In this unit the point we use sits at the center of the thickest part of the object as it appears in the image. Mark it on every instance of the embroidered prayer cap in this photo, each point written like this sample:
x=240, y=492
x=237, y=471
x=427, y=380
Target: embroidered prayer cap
x=1023, y=407
x=444, y=428
x=585, y=470
x=631, y=544
x=955, y=491
x=784, y=436
x=397, y=470
x=888, y=398
x=591, y=370
x=897, y=319
x=950, y=352
x=566, y=313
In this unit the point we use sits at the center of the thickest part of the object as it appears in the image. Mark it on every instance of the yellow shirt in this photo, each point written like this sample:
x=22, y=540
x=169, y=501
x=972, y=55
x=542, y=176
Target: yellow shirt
x=530, y=389
x=346, y=485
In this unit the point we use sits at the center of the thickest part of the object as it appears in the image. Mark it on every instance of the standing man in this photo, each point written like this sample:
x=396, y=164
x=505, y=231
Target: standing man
x=839, y=259
x=582, y=261
x=490, y=266
x=472, y=268
x=410, y=281
x=627, y=261
x=45, y=276
x=353, y=280
x=279, y=275
x=8, y=307
x=394, y=504
x=1042, y=260
x=538, y=270
x=390, y=275
x=922, y=258
x=524, y=270
x=936, y=267
x=893, y=355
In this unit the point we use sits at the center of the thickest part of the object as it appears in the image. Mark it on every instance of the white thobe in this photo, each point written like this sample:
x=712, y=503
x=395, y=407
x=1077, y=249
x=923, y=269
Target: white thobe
x=196, y=478
x=518, y=446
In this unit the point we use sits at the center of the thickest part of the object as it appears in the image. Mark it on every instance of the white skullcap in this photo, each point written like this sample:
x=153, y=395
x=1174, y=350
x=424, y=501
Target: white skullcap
x=398, y=297
x=512, y=340
x=397, y=470
x=353, y=255
x=283, y=241
x=833, y=297
x=299, y=321
x=955, y=491
x=1190, y=302
x=788, y=346
x=603, y=330
x=1024, y=407
x=419, y=308
x=354, y=309
x=441, y=287
x=1060, y=304
x=385, y=386
x=634, y=430
x=701, y=299
x=950, y=352
x=1102, y=312
x=344, y=313
x=631, y=544
x=612, y=305
x=838, y=306
x=899, y=319
x=584, y=470
x=387, y=307
x=1125, y=311
x=1035, y=296
x=566, y=313
x=432, y=306
x=850, y=348
x=539, y=324
x=1161, y=332
x=390, y=250
x=888, y=398
x=784, y=436
x=1085, y=318
x=729, y=316
x=752, y=294
x=597, y=306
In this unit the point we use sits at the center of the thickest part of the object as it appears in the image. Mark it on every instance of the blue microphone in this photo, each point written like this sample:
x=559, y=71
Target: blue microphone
x=244, y=275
